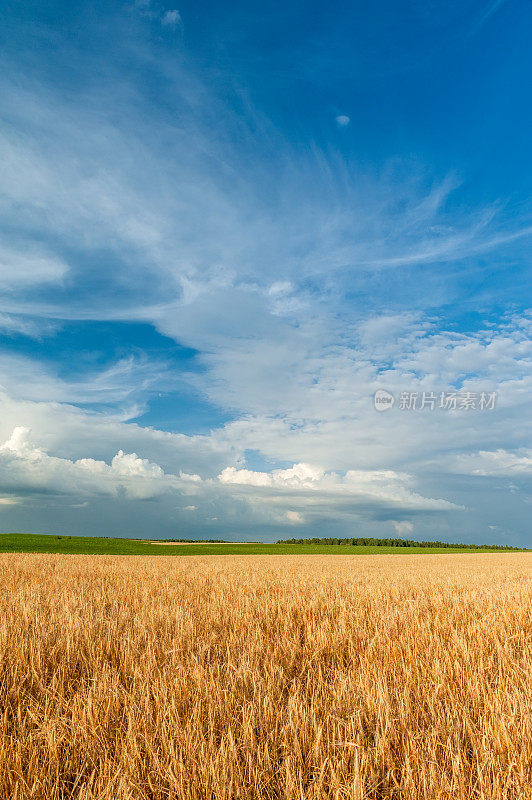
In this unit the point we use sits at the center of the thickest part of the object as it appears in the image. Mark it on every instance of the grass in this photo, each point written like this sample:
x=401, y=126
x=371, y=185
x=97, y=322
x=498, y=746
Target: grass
x=38, y=543
x=252, y=678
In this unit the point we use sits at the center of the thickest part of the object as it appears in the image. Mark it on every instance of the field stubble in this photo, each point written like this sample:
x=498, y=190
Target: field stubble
x=232, y=677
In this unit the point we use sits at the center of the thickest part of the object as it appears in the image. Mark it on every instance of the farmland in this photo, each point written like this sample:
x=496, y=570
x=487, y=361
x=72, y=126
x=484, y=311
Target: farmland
x=87, y=545
x=230, y=677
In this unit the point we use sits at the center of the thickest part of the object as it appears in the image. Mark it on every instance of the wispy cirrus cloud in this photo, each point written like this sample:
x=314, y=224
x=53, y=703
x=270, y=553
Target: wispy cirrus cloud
x=488, y=12
x=232, y=223
x=126, y=381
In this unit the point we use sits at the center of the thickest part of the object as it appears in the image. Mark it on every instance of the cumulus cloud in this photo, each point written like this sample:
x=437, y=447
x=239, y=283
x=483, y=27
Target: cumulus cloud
x=26, y=465
x=288, y=496
x=71, y=432
x=300, y=476
x=303, y=481
x=342, y=120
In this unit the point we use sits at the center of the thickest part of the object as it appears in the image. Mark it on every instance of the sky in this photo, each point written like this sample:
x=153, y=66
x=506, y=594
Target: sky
x=224, y=227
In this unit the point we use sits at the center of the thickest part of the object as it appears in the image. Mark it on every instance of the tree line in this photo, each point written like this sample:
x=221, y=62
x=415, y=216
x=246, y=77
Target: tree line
x=398, y=543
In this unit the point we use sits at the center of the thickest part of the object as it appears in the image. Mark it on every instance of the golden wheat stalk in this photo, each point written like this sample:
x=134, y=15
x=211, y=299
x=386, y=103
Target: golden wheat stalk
x=232, y=678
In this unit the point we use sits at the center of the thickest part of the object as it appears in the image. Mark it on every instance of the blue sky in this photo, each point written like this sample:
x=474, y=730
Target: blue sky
x=223, y=227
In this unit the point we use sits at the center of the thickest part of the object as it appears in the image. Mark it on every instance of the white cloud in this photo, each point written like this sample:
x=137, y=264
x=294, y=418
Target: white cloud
x=298, y=476
x=123, y=384
x=73, y=433
x=26, y=266
x=285, y=496
x=403, y=527
x=171, y=18
x=321, y=219
x=342, y=120
x=497, y=462
x=9, y=501
x=294, y=517
x=26, y=465
x=15, y=325
x=302, y=481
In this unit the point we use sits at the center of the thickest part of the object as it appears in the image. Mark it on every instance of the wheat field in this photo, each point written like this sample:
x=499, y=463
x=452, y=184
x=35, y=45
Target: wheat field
x=304, y=677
